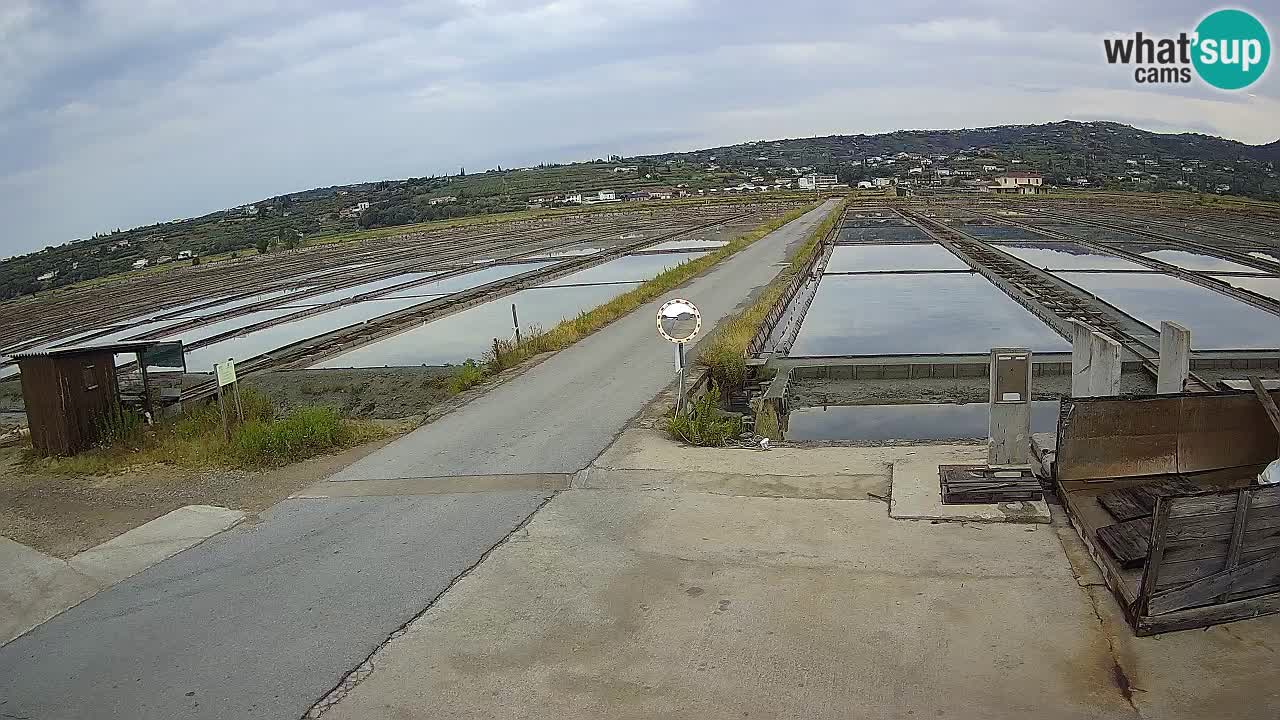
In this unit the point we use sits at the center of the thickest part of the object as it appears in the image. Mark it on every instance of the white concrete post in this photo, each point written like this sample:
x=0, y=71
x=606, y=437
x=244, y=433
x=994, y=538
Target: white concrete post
x=1104, y=366
x=1081, y=350
x=1175, y=358
x=1010, y=440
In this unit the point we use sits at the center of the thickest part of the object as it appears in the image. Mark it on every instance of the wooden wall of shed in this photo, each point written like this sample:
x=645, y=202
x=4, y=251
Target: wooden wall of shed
x=63, y=411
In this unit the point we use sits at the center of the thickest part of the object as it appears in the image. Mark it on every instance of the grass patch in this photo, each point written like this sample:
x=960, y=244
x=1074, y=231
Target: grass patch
x=705, y=424
x=725, y=353
x=196, y=440
x=511, y=353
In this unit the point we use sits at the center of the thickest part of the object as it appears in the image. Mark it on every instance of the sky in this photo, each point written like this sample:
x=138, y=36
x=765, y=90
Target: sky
x=117, y=113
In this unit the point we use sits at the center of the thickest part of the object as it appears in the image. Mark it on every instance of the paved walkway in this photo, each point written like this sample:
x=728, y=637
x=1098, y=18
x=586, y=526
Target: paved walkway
x=262, y=621
x=745, y=584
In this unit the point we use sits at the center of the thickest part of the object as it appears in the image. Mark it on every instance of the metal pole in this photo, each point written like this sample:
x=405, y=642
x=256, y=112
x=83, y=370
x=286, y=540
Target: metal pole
x=222, y=410
x=235, y=389
x=680, y=387
x=515, y=321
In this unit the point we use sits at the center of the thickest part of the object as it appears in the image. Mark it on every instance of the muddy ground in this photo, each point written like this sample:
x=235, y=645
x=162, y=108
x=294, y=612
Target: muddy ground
x=816, y=393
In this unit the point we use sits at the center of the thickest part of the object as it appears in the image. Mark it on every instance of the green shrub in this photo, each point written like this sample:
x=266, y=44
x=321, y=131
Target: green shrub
x=303, y=433
x=468, y=375
x=120, y=426
x=705, y=423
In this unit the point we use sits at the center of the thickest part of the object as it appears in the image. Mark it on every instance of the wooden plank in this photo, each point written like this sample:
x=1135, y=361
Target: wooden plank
x=1128, y=542
x=1151, y=572
x=1263, y=572
x=1268, y=403
x=1136, y=501
x=1208, y=615
x=1212, y=502
x=1220, y=547
x=1219, y=526
x=1177, y=574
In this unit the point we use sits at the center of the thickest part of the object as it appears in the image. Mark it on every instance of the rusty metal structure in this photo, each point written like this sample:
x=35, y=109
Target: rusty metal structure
x=69, y=391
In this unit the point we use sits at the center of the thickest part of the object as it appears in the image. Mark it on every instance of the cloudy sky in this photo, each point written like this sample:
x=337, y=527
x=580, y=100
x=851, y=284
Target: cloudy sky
x=115, y=113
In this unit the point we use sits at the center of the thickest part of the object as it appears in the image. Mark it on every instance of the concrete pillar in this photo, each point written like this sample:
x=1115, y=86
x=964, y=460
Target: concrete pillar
x=1010, y=440
x=1175, y=358
x=1081, y=349
x=1104, y=366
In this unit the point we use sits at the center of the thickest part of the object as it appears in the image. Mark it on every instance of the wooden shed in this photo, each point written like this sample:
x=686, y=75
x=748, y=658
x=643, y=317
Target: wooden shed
x=67, y=391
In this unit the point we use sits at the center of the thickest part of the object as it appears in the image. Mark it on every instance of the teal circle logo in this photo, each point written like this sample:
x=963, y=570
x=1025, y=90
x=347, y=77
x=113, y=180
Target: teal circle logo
x=1231, y=49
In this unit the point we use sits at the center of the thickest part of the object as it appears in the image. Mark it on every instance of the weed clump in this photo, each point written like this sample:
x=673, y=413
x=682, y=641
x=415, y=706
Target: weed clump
x=705, y=424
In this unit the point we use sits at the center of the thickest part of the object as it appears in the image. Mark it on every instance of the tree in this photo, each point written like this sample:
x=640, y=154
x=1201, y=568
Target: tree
x=263, y=245
x=462, y=171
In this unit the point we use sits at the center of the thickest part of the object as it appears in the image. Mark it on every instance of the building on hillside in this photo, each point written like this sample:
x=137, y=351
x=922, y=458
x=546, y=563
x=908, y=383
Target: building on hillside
x=140, y=263
x=186, y=254
x=865, y=185
x=1019, y=182
x=813, y=181
x=442, y=200
x=882, y=182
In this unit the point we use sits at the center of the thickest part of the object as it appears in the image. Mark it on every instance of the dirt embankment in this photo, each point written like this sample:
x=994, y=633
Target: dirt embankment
x=381, y=393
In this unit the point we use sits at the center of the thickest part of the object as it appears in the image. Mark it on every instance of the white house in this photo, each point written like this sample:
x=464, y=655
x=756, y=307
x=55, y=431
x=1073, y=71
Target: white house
x=140, y=263
x=813, y=181
x=991, y=168
x=864, y=184
x=882, y=182
x=442, y=200
x=185, y=254
x=915, y=171
x=48, y=276
x=1019, y=182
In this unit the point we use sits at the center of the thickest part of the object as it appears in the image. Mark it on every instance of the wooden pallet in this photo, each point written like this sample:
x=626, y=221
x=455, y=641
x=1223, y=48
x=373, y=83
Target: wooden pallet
x=1128, y=542
x=1139, y=501
x=965, y=484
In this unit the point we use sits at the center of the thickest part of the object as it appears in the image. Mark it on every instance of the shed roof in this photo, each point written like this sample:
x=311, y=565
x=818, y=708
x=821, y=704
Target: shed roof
x=73, y=350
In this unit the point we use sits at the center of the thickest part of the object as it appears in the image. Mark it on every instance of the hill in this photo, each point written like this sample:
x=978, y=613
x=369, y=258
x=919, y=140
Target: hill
x=1102, y=154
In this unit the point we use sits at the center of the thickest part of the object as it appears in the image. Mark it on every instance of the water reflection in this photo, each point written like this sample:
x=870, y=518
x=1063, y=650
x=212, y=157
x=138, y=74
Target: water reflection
x=932, y=421
x=867, y=258
x=1198, y=261
x=917, y=314
x=1216, y=321
x=1067, y=256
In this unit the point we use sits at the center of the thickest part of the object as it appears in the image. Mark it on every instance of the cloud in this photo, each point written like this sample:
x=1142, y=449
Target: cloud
x=116, y=114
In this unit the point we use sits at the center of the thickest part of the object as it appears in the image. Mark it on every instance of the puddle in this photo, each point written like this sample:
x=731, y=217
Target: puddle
x=1197, y=261
x=926, y=421
x=685, y=245
x=938, y=313
x=867, y=258
x=372, y=286
x=181, y=313
x=1216, y=321
x=196, y=334
x=277, y=336
x=881, y=232
x=1265, y=286
x=629, y=268
x=1067, y=256
x=470, y=333
x=466, y=281
x=996, y=233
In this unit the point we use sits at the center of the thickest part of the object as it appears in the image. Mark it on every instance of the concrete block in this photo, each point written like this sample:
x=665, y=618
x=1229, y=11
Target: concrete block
x=34, y=587
x=1081, y=352
x=1104, y=366
x=1175, y=358
x=140, y=548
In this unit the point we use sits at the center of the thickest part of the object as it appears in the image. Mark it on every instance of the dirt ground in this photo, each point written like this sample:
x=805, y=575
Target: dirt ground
x=815, y=393
x=380, y=393
x=62, y=516
x=11, y=396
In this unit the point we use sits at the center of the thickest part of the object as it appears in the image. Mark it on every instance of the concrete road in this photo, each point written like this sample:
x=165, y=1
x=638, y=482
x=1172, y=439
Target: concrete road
x=741, y=589
x=558, y=416
x=263, y=621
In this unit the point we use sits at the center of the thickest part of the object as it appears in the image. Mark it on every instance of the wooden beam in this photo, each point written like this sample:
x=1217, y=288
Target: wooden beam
x=1268, y=403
